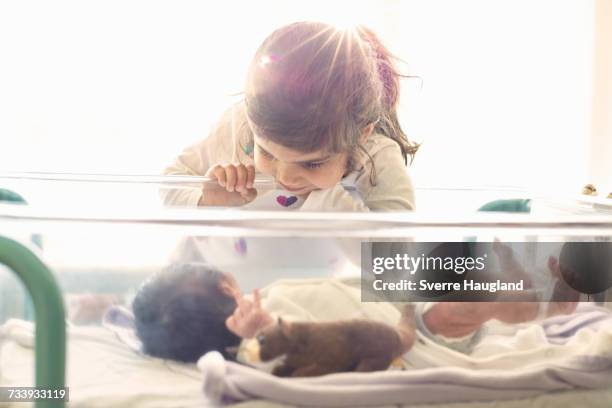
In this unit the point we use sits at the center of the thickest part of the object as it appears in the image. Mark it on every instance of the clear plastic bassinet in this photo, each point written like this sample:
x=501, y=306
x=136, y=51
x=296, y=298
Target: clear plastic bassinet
x=102, y=236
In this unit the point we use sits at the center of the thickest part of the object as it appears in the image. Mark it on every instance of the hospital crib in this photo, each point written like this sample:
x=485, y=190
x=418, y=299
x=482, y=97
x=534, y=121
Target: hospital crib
x=78, y=240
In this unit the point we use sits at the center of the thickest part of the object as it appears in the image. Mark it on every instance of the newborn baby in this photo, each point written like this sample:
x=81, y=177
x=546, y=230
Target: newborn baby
x=190, y=309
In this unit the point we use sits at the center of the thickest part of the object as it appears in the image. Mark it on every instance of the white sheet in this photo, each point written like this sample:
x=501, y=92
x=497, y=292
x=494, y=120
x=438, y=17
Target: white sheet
x=511, y=347
x=104, y=372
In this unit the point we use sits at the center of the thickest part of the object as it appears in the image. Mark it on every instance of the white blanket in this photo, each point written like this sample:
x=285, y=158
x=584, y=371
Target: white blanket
x=511, y=347
x=104, y=370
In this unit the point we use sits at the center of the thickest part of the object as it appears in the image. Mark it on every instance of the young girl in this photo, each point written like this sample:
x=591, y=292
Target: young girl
x=319, y=111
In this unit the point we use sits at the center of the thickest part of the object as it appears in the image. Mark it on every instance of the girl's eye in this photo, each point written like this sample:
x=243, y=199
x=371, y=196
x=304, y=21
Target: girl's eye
x=261, y=339
x=265, y=154
x=314, y=165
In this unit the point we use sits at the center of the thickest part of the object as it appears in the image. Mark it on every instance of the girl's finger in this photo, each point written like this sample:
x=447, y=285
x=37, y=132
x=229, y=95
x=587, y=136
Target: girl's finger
x=219, y=173
x=241, y=177
x=248, y=195
x=250, y=176
x=230, y=174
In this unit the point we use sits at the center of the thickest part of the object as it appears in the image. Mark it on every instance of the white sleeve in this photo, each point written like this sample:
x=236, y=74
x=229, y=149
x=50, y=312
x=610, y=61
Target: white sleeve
x=193, y=161
x=336, y=198
x=218, y=148
x=393, y=189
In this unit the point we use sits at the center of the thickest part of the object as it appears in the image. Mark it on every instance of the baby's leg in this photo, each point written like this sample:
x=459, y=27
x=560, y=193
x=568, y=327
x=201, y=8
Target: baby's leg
x=515, y=312
x=564, y=298
x=510, y=267
x=460, y=319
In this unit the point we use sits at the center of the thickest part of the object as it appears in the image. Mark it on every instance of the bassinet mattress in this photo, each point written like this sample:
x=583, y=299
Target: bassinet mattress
x=102, y=371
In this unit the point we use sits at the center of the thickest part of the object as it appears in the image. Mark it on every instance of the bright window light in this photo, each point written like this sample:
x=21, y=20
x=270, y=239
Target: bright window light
x=124, y=86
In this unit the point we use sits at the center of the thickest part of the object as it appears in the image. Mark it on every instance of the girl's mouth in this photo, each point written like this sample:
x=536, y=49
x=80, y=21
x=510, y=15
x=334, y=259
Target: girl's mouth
x=292, y=189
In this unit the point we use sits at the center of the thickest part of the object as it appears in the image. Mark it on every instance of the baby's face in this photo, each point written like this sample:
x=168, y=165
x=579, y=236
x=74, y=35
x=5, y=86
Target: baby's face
x=229, y=285
x=297, y=172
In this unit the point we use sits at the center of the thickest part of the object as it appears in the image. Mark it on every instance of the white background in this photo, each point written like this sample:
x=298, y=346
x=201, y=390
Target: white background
x=123, y=86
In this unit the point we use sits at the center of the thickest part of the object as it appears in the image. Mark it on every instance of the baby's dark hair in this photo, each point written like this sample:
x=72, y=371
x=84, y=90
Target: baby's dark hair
x=587, y=266
x=180, y=313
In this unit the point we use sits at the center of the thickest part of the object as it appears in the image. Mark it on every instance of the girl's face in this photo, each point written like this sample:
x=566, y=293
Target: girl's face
x=297, y=172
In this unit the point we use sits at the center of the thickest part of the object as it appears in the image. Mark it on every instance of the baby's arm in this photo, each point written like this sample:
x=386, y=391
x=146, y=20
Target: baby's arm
x=249, y=318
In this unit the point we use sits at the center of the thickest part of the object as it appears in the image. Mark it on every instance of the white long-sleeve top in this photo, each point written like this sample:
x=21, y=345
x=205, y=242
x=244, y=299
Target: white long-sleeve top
x=225, y=144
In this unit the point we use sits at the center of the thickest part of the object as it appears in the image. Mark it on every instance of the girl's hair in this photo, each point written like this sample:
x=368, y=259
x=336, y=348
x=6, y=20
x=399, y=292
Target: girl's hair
x=311, y=86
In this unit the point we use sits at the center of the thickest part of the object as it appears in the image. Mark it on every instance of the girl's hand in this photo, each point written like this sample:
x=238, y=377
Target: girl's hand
x=236, y=182
x=248, y=318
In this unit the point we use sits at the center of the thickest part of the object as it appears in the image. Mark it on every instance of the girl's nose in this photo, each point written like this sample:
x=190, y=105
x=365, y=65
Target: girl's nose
x=287, y=174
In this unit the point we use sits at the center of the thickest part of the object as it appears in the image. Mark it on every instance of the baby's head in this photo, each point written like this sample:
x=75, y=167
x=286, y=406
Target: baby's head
x=586, y=266
x=314, y=94
x=180, y=313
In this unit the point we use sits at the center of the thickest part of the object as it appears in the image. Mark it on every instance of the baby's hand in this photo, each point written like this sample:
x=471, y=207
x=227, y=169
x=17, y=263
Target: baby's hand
x=237, y=182
x=248, y=318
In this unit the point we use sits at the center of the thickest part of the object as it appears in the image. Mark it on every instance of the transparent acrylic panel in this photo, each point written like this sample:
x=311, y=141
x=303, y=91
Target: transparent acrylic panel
x=104, y=239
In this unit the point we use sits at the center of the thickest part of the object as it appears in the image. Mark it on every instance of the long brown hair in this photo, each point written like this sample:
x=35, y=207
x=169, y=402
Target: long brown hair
x=311, y=86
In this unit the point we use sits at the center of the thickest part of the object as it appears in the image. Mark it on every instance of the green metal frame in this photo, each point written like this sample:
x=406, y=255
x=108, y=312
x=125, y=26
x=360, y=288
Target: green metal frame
x=50, y=351
x=520, y=205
